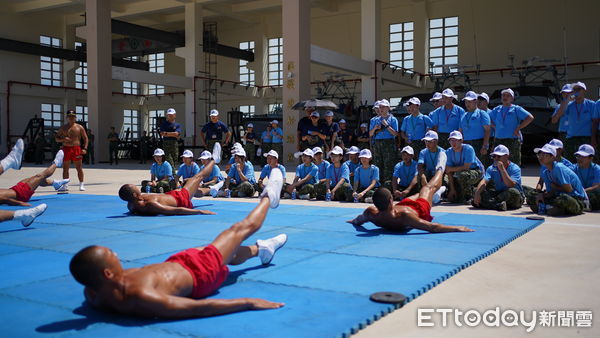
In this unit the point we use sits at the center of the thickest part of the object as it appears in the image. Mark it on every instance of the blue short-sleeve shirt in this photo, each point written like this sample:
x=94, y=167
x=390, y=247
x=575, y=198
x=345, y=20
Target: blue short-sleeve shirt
x=187, y=171
x=514, y=172
x=560, y=175
x=416, y=126
x=365, y=176
x=473, y=123
x=384, y=133
x=466, y=155
x=405, y=173
x=429, y=159
x=248, y=172
x=162, y=171
x=334, y=175
x=447, y=120
x=580, y=117
x=588, y=176
x=507, y=119
x=312, y=170
x=266, y=171
x=216, y=172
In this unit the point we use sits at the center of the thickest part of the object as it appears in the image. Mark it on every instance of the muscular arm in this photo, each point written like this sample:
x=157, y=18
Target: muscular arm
x=151, y=304
x=414, y=221
x=12, y=201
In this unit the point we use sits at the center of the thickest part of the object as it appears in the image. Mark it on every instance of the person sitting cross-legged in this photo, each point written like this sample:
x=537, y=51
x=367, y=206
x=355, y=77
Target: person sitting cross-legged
x=366, y=179
x=272, y=163
x=337, y=178
x=214, y=181
x=589, y=174
x=500, y=188
x=404, y=178
x=322, y=164
x=463, y=169
x=240, y=179
x=161, y=174
x=307, y=175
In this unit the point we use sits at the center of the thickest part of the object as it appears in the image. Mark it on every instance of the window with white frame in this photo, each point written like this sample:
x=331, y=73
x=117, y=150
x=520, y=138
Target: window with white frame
x=246, y=74
x=82, y=113
x=248, y=110
x=275, y=109
x=443, y=44
x=153, y=116
x=81, y=76
x=130, y=121
x=275, y=62
x=402, y=44
x=156, y=63
x=50, y=68
x=52, y=115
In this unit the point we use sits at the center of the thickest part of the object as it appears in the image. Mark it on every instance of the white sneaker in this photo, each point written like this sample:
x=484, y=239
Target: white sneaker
x=268, y=247
x=28, y=215
x=273, y=187
x=214, y=190
x=216, y=153
x=58, y=184
x=13, y=159
x=81, y=187
x=369, y=200
x=304, y=197
x=58, y=159
x=437, y=196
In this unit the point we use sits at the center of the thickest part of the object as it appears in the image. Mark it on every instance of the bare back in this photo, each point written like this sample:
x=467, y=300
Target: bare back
x=143, y=206
x=74, y=133
x=399, y=218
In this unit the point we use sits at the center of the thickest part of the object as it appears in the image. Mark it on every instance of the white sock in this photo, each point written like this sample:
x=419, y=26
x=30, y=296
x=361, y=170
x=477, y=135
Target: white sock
x=81, y=186
x=214, y=190
x=26, y=216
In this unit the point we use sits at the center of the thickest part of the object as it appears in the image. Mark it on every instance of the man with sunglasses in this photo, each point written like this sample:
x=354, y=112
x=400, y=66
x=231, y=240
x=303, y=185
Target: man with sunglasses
x=500, y=188
x=580, y=117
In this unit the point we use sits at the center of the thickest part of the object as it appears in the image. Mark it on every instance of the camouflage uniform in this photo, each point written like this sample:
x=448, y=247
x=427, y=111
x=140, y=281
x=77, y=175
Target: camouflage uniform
x=413, y=191
x=278, y=147
x=250, y=149
x=594, y=197
x=477, y=144
x=561, y=204
x=349, y=192
x=244, y=189
x=514, y=147
x=306, y=189
x=572, y=144
x=161, y=186
x=340, y=194
x=171, y=153
x=491, y=198
x=385, y=157
x=464, y=184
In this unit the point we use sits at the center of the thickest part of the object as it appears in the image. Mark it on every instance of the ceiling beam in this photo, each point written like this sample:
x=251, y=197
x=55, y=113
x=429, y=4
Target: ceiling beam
x=255, y=5
x=40, y=5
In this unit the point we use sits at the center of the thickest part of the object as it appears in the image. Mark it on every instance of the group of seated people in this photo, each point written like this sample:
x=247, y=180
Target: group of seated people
x=350, y=176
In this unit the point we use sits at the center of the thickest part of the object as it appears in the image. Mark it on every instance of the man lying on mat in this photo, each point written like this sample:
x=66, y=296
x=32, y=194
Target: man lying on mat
x=171, y=289
x=411, y=212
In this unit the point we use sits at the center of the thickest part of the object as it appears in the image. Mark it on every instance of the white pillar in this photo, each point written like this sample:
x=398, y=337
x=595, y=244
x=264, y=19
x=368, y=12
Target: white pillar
x=194, y=61
x=296, y=68
x=99, y=61
x=370, y=46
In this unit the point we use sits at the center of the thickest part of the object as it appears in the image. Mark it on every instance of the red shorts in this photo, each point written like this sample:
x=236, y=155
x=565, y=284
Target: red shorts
x=23, y=191
x=421, y=206
x=206, y=267
x=182, y=197
x=72, y=153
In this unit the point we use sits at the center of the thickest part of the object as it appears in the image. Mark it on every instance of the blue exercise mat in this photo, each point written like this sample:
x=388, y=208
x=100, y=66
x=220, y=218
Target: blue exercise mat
x=324, y=274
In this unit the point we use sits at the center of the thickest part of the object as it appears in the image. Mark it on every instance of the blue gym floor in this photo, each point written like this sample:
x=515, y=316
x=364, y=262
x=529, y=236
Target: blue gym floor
x=324, y=274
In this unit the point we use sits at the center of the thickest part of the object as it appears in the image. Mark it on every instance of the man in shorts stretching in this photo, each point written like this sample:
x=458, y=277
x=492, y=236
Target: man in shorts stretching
x=70, y=135
x=411, y=212
x=174, y=202
x=173, y=289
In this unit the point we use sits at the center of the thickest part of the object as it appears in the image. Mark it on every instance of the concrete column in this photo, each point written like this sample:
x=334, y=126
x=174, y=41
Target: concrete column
x=370, y=46
x=421, y=37
x=69, y=70
x=296, y=68
x=194, y=61
x=99, y=72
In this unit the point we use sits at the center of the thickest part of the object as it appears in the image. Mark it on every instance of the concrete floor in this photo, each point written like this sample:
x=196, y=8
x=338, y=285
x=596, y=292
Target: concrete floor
x=553, y=267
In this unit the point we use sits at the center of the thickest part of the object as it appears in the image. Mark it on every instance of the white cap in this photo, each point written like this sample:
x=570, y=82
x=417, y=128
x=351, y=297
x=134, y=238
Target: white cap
x=448, y=92
x=158, y=152
x=548, y=149
x=315, y=113
x=317, y=150
x=508, y=90
x=353, y=150
x=308, y=152
x=329, y=113
x=240, y=152
x=455, y=134
x=171, y=111
x=365, y=153
x=187, y=153
x=337, y=150
x=363, y=125
x=384, y=102
x=579, y=84
x=205, y=155
x=214, y=112
x=271, y=153
x=409, y=150
x=500, y=150
x=556, y=143
x=470, y=96
x=276, y=122
x=485, y=97
x=413, y=100
x=567, y=88
x=250, y=125
x=436, y=96
x=342, y=121
x=430, y=135
x=585, y=150
x=376, y=104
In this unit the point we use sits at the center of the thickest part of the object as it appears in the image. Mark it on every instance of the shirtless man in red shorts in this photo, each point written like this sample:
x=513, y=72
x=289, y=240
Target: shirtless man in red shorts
x=172, y=289
x=20, y=193
x=70, y=135
x=411, y=212
x=174, y=202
